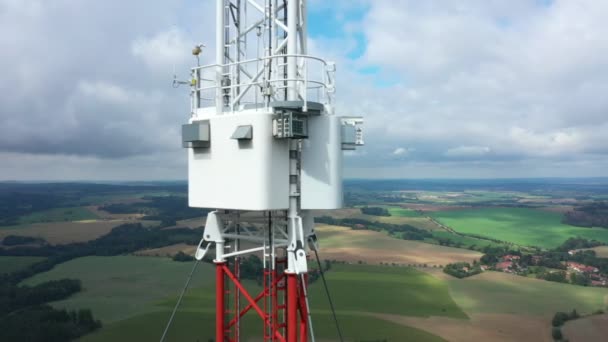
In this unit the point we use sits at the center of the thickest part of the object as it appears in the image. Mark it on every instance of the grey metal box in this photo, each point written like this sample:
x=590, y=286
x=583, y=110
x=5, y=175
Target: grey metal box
x=196, y=134
x=349, y=134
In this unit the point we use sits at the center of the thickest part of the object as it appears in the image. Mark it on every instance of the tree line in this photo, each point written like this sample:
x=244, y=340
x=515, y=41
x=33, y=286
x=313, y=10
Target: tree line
x=400, y=231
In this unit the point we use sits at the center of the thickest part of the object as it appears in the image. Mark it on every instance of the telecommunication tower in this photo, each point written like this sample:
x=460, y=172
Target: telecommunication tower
x=264, y=151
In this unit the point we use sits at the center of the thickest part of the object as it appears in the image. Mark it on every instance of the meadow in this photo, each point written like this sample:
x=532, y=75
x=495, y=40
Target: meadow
x=521, y=226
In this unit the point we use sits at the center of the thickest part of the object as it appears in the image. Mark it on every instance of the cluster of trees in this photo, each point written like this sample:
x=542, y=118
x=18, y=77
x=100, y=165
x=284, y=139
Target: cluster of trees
x=577, y=243
x=462, y=269
x=182, y=257
x=167, y=209
x=19, y=199
x=23, y=305
x=123, y=239
x=13, y=205
x=376, y=211
x=43, y=323
x=591, y=215
x=400, y=231
x=493, y=254
x=15, y=240
x=13, y=297
x=24, y=315
x=558, y=321
x=551, y=265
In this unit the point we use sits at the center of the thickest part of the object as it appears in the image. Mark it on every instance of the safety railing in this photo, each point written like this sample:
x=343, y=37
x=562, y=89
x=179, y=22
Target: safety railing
x=259, y=81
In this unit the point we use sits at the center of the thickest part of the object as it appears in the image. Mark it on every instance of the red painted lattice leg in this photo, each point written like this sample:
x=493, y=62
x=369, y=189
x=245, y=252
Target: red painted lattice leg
x=219, y=302
x=292, y=308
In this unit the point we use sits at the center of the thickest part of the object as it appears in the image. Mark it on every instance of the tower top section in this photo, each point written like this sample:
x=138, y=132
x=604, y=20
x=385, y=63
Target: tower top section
x=262, y=60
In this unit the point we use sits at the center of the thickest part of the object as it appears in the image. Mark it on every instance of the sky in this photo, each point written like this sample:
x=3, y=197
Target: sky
x=448, y=89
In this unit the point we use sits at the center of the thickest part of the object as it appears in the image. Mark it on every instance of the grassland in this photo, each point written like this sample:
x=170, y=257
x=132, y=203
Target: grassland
x=522, y=226
x=340, y=243
x=10, y=264
x=59, y=215
x=122, y=286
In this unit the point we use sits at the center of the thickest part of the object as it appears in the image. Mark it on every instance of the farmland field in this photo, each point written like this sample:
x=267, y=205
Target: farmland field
x=496, y=292
x=402, y=212
x=593, y=328
x=397, y=290
x=465, y=241
x=112, y=289
x=198, y=326
x=63, y=232
x=122, y=286
x=522, y=226
x=59, y=215
x=345, y=244
x=10, y=264
x=601, y=251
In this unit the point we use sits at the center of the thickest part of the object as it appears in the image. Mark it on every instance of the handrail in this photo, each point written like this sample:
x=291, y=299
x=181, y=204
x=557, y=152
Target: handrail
x=252, y=87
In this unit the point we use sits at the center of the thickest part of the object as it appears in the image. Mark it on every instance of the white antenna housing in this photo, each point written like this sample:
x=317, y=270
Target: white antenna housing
x=262, y=134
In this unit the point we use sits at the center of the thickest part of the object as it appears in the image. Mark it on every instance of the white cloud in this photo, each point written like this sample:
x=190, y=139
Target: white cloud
x=164, y=50
x=467, y=151
x=402, y=151
x=475, y=85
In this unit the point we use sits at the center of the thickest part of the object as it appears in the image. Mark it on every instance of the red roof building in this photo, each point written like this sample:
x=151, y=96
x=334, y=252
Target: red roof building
x=505, y=265
x=510, y=257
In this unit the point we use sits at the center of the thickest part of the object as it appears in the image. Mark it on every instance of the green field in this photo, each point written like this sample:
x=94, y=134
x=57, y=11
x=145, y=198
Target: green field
x=58, y=215
x=122, y=286
x=465, y=241
x=522, y=226
x=402, y=212
x=113, y=289
x=10, y=264
x=497, y=292
x=198, y=326
x=385, y=289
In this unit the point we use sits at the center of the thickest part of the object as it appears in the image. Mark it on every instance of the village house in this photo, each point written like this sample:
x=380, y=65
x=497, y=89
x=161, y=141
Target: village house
x=505, y=266
x=510, y=257
x=575, y=266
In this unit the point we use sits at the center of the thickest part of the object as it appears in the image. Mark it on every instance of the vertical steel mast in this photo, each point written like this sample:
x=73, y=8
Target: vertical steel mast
x=264, y=150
